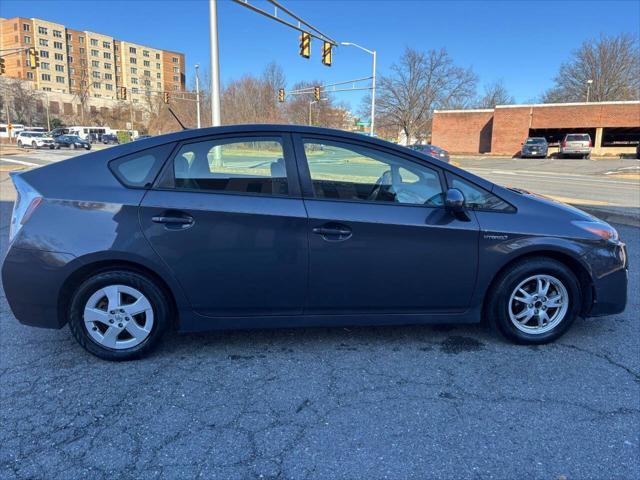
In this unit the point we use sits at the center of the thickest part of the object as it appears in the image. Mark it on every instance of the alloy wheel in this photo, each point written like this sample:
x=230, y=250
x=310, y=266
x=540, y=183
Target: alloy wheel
x=538, y=304
x=118, y=317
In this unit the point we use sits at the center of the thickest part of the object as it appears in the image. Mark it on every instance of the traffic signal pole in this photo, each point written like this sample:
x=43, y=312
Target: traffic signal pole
x=215, y=63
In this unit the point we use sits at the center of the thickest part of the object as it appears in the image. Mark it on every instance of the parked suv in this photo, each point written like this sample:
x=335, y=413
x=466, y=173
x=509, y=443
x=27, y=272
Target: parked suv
x=534, y=147
x=576, y=144
x=35, y=140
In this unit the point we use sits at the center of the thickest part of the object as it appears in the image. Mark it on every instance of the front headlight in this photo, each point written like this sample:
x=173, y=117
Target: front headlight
x=602, y=230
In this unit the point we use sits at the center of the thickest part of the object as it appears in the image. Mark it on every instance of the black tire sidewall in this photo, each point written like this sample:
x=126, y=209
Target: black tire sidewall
x=508, y=282
x=153, y=293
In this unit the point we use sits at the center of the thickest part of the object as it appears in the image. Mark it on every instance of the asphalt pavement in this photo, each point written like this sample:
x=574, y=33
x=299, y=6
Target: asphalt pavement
x=450, y=402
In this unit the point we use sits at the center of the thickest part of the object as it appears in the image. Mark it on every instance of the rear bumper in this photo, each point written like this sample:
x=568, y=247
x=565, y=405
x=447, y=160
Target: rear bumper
x=575, y=151
x=32, y=280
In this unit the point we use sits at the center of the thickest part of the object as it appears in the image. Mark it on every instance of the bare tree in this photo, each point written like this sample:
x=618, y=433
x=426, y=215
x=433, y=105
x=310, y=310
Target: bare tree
x=495, y=94
x=20, y=101
x=612, y=62
x=81, y=91
x=419, y=83
x=274, y=79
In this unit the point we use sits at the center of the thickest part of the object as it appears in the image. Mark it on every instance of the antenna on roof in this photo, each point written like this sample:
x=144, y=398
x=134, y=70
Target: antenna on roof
x=177, y=119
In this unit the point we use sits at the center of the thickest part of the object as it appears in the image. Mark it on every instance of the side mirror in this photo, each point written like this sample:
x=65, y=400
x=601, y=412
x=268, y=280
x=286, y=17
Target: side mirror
x=454, y=201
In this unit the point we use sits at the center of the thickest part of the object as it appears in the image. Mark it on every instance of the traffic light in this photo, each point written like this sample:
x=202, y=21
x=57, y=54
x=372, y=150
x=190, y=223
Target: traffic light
x=165, y=97
x=316, y=93
x=34, y=58
x=1, y=66
x=305, y=44
x=123, y=93
x=281, y=95
x=326, y=53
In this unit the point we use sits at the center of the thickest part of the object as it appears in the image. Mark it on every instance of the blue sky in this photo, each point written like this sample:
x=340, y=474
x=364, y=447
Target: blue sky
x=519, y=42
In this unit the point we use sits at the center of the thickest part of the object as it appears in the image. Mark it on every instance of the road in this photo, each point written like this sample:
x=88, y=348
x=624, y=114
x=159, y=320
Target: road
x=397, y=403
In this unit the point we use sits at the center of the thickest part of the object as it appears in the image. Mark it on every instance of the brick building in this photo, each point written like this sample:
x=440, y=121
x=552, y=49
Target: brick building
x=87, y=63
x=614, y=127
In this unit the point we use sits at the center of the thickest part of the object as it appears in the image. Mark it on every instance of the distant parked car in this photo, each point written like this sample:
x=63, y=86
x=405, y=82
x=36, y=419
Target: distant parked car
x=142, y=137
x=71, y=141
x=534, y=147
x=638, y=151
x=34, y=139
x=578, y=144
x=109, y=139
x=437, y=152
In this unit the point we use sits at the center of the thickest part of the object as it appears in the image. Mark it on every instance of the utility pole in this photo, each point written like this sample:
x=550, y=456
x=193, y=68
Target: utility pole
x=46, y=96
x=215, y=63
x=197, y=97
x=374, y=54
x=589, y=82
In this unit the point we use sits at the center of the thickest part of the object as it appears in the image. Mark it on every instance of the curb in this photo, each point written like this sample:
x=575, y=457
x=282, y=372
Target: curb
x=612, y=216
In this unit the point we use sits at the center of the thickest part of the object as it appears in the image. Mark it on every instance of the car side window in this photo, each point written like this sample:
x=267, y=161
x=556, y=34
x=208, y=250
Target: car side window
x=140, y=169
x=478, y=198
x=344, y=171
x=242, y=165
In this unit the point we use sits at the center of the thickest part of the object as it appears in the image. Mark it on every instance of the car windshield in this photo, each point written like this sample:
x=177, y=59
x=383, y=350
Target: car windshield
x=583, y=137
x=535, y=141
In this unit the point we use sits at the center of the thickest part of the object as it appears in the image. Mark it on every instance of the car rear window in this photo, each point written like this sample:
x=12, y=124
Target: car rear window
x=578, y=138
x=536, y=141
x=139, y=169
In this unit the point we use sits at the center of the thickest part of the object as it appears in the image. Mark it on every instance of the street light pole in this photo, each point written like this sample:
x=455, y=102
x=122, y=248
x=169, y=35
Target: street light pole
x=589, y=82
x=311, y=103
x=197, y=97
x=215, y=64
x=373, y=53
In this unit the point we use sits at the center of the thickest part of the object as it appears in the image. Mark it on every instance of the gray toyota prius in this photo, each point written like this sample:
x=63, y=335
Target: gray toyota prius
x=260, y=226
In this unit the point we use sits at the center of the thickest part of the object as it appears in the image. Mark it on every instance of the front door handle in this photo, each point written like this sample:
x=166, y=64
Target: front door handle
x=175, y=220
x=331, y=231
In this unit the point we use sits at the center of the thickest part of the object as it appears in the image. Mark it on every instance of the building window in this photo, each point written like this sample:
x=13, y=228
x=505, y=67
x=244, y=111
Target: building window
x=107, y=55
x=43, y=42
x=44, y=54
x=157, y=56
x=83, y=61
x=94, y=42
x=95, y=63
x=145, y=53
x=42, y=30
x=174, y=59
x=57, y=45
x=107, y=66
x=59, y=57
x=147, y=83
x=60, y=79
x=134, y=70
x=176, y=78
x=108, y=86
x=132, y=50
x=46, y=89
x=146, y=63
x=59, y=68
x=29, y=75
x=27, y=39
x=69, y=49
x=158, y=75
x=106, y=45
x=95, y=53
x=133, y=60
x=72, y=71
x=158, y=85
x=45, y=76
x=26, y=27
x=134, y=81
x=175, y=87
x=176, y=69
x=158, y=66
x=44, y=65
x=95, y=74
x=82, y=50
x=96, y=85
x=147, y=73
x=73, y=82
x=81, y=40
x=57, y=33
x=135, y=90
x=108, y=76
x=69, y=37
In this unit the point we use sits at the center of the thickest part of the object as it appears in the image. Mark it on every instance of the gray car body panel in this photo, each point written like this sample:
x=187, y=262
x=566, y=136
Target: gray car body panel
x=89, y=218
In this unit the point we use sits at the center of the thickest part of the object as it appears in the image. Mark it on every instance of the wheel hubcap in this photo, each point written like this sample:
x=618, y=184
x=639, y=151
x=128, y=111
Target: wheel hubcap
x=538, y=304
x=118, y=317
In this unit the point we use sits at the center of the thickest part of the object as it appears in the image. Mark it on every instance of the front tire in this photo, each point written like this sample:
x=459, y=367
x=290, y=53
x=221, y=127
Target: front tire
x=118, y=315
x=535, y=301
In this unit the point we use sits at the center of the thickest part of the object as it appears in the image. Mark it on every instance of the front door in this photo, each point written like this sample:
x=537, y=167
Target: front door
x=229, y=221
x=380, y=240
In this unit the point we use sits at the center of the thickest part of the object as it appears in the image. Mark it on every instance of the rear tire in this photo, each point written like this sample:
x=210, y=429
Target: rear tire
x=518, y=310
x=103, y=318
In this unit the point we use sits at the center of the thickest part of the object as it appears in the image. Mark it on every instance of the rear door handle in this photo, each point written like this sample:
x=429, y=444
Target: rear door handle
x=176, y=220
x=332, y=231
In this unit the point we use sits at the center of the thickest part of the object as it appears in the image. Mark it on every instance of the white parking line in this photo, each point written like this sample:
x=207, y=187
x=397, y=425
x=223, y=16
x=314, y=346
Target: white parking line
x=19, y=162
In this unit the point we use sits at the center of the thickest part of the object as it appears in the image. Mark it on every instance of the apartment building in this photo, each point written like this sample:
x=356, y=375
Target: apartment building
x=88, y=63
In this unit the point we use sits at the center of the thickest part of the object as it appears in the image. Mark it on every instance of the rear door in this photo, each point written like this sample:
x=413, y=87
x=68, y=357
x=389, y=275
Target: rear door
x=380, y=239
x=228, y=219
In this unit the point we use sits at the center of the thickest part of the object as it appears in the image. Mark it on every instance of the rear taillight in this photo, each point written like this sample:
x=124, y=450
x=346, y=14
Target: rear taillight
x=27, y=200
x=564, y=143
x=590, y=144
